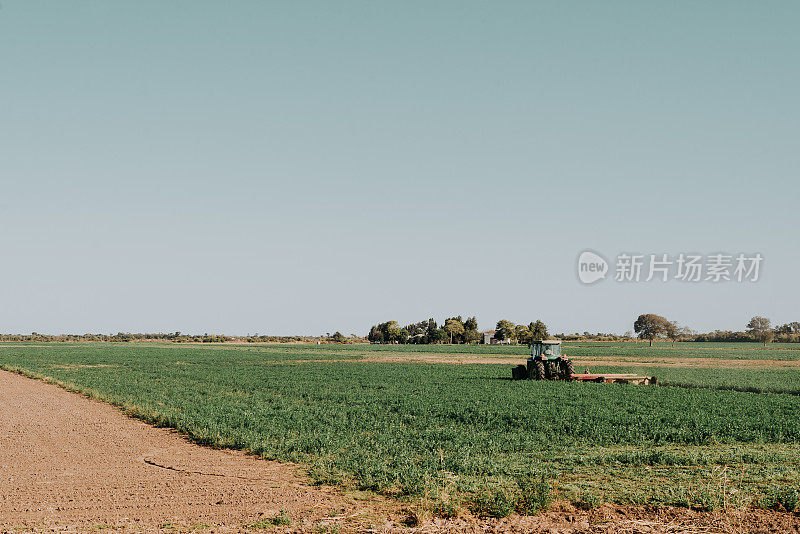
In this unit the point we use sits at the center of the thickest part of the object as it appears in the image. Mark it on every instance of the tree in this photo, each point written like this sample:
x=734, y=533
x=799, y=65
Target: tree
x=471, y=335
x=522, y=333
x=760, y=329
x=392, y=331
x=471, y=324
x=674, y=331
x=650, y=326
x=388, y=332
x=471, y=330
x=431, y=331
x=337, y=337
x=538, y=331
x=504, y=330
x=454, y=327
x=438, y=335
x=375, y=335
x=788, y=328
x=402, y=336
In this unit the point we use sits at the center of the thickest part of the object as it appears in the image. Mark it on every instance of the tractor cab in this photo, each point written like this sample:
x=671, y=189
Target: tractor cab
x=546, y=350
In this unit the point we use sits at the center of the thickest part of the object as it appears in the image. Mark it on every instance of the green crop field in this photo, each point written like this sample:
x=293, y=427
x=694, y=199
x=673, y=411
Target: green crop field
x=708, y=437
x=728, y=351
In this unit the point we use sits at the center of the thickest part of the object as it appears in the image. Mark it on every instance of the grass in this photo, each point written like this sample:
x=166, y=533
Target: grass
x=414, y=429
x=750, y=380
x=280, y=520
x=719, y=351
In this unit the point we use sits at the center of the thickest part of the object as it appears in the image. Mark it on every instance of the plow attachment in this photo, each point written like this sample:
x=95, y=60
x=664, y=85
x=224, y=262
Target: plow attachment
x=522, y=372
x=623, y=378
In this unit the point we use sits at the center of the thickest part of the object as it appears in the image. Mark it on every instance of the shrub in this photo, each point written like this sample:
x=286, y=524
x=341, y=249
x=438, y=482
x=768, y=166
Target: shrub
x=781, y=497
x=280, y=520
x=588, y=500
x=448, y=509
x=535, y=494
x=492, y=502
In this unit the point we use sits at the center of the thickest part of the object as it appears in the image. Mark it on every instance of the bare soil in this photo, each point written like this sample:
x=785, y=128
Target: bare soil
x=631, y=520
x=69, y=462
x=72, y=464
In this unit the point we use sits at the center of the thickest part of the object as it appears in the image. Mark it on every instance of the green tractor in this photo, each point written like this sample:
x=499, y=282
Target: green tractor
x=546, y=363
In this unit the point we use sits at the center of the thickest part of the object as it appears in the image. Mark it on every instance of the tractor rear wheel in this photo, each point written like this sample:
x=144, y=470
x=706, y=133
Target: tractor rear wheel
x=538, y=370
x=567, y=369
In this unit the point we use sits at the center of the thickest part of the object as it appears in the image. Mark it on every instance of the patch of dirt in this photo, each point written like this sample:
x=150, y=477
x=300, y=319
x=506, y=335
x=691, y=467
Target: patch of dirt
x=627, y=520
x=73, y=366
x=71, y=463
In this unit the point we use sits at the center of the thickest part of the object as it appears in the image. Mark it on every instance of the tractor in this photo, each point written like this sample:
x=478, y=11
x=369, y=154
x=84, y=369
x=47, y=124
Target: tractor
x=546, y=363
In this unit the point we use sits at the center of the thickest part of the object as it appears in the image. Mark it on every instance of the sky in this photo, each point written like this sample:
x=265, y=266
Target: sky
x=306, y=167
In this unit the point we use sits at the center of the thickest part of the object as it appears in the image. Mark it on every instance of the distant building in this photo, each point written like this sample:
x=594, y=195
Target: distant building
x=489, y=339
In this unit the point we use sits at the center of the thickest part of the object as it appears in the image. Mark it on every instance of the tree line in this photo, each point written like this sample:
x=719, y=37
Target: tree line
x=526, y=334
x=173, y=337
x=455, y=330
x=757, y=329
x=458, y=331
x=650, y=327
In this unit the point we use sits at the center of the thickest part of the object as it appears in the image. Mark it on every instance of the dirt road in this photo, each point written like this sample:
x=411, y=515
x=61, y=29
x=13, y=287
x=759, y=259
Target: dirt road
x=70, y=462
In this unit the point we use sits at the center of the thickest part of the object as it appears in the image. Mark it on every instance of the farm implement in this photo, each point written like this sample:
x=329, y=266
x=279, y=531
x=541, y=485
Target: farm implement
x=547, y=363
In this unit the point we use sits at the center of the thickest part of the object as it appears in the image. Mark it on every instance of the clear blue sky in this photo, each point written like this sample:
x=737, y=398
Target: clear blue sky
x=306, y=167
